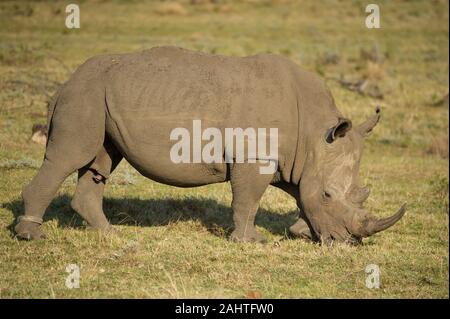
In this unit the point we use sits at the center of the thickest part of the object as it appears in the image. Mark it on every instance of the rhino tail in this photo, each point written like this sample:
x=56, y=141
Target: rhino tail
x=51, y=110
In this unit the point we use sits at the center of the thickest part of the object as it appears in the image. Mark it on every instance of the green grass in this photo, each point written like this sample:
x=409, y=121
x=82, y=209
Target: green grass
x=172, y=242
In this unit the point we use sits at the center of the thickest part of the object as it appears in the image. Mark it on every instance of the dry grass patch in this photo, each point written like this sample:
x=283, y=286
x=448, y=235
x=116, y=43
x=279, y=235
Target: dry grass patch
x=171, y=8
x=438, y=146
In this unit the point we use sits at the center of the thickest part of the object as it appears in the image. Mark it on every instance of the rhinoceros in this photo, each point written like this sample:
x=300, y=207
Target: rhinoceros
x=126, y=106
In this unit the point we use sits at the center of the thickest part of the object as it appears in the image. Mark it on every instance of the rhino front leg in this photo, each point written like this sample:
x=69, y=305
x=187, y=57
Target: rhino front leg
x=248, y=186
x=88, y=198
x=301, y=228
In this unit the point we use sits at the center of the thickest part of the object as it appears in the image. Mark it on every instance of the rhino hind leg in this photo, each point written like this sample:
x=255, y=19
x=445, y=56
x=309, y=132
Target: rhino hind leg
x=38, y=194
x=76, y=135
x=88, y=198
x=36, y=197
x=248, y=185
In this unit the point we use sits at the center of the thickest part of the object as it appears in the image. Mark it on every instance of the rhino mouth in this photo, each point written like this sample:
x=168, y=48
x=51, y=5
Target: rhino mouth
x=306, y=234
x=349, y=239
x=304, y=230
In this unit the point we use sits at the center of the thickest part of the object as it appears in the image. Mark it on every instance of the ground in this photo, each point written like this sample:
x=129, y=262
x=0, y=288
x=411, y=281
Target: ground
x=173, y=242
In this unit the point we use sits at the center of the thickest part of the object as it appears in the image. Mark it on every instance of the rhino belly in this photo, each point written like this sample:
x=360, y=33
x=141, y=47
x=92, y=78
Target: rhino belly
x=146, y=145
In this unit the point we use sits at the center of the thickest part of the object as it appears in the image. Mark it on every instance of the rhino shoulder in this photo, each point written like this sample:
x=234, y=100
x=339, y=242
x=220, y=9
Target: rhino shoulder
x=300, y=76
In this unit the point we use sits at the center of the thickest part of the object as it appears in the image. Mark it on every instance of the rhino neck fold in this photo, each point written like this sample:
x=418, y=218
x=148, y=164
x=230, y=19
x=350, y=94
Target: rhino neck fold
x=316, y=111
x=300, y=151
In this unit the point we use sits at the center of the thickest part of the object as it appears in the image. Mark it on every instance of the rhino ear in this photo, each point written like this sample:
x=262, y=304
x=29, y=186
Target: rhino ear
x=339, y=130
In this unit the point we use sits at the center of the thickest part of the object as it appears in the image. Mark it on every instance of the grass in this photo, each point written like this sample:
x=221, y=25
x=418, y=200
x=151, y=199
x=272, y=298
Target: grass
x=172, y=242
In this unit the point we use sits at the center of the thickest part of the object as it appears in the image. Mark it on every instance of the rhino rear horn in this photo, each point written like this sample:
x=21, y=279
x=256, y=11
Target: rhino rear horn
x=365, y=128
x=359, y=194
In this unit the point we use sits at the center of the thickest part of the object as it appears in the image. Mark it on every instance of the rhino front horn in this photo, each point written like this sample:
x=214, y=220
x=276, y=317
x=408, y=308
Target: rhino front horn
x=373, y=226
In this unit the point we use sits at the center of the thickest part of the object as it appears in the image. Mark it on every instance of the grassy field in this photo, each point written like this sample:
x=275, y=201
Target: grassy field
x=173, y=242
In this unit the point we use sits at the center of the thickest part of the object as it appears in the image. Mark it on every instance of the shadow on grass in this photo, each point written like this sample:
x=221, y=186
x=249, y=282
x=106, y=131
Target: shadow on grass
x=215, y=216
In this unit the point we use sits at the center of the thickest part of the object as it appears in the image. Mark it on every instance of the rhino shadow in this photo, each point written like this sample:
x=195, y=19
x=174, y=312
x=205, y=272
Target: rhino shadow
x=215, y=216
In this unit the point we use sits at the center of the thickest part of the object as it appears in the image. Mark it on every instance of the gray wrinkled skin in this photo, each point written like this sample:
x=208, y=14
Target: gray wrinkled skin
x=124, y=106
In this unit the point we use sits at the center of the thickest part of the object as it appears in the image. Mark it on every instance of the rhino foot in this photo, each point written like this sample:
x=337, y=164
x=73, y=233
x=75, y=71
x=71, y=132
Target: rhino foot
x=27, y=230
x=104, y=230
x=301, y=230
x=249, y=236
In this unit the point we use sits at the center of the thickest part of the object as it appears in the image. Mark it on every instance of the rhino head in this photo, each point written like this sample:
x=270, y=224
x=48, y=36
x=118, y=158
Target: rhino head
x=331, y=195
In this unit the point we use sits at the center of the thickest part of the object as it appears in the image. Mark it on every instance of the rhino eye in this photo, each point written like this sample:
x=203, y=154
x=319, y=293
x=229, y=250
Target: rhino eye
x=326, y=195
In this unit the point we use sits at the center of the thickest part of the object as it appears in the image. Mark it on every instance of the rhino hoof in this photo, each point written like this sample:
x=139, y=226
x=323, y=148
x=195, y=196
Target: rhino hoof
x=28, y=231
x=248, y=237
x=101, y=227
x=104, y=230
x=301, y=230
